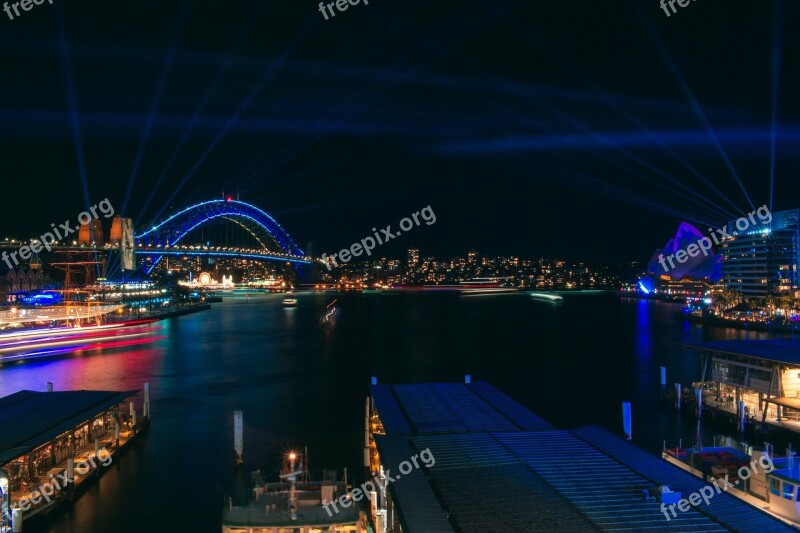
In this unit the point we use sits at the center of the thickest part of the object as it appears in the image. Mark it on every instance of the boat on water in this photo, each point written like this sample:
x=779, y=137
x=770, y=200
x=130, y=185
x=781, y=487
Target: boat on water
x=754, y=475
x=472, y=286
x=296, y=503
x=546, y=296
x=328, y=319
x=289, y=302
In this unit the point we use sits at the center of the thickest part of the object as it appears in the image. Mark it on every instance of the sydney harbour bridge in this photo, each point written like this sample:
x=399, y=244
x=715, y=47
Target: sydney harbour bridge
x=176, y=235
x=273, y=242
x=94, y=255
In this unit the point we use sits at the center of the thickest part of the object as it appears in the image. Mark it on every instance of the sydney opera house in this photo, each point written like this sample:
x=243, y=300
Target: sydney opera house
x=693, y=277
x=765, y=260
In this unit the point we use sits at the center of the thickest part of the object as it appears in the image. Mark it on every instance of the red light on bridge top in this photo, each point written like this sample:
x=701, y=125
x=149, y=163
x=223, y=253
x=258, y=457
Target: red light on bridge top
x=229, y=198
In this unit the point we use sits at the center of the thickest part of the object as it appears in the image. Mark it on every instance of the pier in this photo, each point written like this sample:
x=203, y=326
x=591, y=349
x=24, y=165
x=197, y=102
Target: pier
x=500, y=467
x=752, y=381
x=53, y=444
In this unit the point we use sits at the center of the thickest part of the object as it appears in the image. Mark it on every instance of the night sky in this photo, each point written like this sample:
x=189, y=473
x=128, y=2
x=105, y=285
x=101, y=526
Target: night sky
x=573, y=129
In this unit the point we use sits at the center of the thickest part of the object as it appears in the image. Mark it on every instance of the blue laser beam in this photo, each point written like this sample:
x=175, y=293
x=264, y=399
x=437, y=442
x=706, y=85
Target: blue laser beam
x=159, y=90
x=684, y=86
x=72, y=104
x=255, y=91
x=776, y=65
x=617, y=104
x=206, y=99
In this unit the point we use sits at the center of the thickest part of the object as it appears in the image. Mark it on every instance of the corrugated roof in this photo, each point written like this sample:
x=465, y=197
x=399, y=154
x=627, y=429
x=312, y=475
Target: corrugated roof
x=29, y=419
x=392, y=416
x=512, y=409
x=785, y=351
x=487, y=488
x=729, y=511
x=605, y=491
x=429, y=408
x=492, y=473
x=420, y=509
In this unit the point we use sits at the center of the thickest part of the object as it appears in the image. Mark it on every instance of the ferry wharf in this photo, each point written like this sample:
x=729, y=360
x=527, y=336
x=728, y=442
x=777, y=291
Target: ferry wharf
x=753, y=383
x=496, y=466
x=54, y=444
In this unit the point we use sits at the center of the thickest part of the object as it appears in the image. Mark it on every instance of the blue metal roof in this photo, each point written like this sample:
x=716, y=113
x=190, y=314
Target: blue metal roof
x=727, y=510
x=450, y=407
x=487, y=488
x=392, y=417
x=492, y=473
x=420, y=509
x=544, y=481
x=512, y=409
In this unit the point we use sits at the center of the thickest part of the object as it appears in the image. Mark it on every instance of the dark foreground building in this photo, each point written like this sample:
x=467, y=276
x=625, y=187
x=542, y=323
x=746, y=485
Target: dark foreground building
x=52, y=443
x=495, y=466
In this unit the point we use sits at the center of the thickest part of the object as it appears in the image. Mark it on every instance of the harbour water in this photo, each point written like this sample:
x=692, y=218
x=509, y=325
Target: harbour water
x=301, y=381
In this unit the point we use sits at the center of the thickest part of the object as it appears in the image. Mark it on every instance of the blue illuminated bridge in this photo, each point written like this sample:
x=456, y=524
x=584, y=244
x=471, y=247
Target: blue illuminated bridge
x=273, y=242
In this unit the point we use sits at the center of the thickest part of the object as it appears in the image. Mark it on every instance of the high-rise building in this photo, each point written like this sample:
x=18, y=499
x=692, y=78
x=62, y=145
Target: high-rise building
x=764, y=258
x=413, y=257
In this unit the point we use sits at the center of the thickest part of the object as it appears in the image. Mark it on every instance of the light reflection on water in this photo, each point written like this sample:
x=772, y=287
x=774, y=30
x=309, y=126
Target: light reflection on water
x=301, y=381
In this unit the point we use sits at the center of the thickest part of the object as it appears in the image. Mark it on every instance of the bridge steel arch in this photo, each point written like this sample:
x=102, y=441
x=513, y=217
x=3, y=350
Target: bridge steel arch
x=258, y=223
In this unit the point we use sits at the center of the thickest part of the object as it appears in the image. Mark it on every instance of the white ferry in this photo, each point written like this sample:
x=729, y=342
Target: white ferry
x=295, y=504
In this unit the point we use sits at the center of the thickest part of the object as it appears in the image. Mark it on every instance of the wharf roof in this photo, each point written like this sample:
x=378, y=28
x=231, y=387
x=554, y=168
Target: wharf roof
x=485, y=476
x=428, y=408
x=783, y=351
x=29, y=419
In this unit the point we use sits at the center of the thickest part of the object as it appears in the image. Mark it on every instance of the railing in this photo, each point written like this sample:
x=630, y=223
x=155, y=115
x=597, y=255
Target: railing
x=675, y=446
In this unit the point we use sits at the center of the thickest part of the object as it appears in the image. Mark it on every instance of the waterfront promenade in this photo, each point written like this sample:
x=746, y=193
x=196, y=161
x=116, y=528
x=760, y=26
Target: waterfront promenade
x=53, y=444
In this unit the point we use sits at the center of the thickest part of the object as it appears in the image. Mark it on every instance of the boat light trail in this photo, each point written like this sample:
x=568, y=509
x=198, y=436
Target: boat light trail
x=48, y=341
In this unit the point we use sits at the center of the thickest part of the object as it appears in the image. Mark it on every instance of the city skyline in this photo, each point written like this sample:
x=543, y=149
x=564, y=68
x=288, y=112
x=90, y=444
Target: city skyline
x=374, y=266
